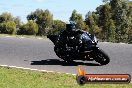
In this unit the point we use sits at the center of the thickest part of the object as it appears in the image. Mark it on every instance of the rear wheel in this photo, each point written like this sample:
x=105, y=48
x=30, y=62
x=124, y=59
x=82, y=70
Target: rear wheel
x=67, y=59
x=56, y=49
x=63, y=55
x=102, y=57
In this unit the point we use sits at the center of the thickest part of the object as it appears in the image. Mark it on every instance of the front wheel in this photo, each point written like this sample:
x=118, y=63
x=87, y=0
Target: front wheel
x=102, y=57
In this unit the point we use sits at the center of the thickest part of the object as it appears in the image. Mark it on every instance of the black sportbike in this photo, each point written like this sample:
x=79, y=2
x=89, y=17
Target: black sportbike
x=74, y=44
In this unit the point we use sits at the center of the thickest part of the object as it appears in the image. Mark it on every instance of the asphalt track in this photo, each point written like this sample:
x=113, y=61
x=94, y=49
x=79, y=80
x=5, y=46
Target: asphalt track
x=38, y=54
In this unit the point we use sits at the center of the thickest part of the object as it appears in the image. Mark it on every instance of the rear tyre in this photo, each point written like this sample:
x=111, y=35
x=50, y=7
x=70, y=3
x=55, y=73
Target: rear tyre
x=67, y=59
x=63, y=55
x=56, y=49
x=102, y=57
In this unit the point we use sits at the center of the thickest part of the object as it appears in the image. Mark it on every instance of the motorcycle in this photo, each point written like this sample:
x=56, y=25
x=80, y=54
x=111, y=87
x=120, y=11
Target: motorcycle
x=78, y=45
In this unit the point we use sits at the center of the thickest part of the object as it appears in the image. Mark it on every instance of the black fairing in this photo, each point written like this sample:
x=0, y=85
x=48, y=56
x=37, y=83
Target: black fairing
x=86, y=41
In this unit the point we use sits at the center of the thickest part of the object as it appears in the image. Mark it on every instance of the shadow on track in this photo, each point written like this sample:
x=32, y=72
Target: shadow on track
x=61, y=62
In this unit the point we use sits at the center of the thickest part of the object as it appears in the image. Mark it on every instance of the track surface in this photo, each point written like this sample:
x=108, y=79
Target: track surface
x=39, y=54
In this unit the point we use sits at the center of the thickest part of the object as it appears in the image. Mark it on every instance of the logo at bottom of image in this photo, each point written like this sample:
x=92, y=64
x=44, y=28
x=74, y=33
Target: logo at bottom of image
x=83, y=78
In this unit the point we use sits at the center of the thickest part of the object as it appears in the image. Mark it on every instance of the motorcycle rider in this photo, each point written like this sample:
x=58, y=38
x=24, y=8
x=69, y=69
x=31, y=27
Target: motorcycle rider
x=75, y=38
x=69, y=35
x=74, y=44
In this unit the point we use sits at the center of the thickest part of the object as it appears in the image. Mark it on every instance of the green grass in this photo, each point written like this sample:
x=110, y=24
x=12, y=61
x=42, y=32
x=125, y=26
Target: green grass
x=19, y=36
x=18, y=78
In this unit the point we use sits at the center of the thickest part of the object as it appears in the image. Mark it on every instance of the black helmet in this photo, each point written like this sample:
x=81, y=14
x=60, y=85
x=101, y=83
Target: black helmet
x=70, y=27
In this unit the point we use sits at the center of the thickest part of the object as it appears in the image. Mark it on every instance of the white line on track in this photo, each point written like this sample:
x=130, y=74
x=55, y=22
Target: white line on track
x=105, y=42
x=34, y=69
x=42, y=38
x=39, y=38
x=123, y=43
x=22, y=37
x=8, y=36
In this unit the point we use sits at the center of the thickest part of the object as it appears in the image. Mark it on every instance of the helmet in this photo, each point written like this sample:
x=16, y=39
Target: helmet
x=70, y=27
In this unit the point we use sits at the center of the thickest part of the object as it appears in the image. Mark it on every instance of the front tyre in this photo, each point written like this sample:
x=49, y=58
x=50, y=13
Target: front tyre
x=102, y=57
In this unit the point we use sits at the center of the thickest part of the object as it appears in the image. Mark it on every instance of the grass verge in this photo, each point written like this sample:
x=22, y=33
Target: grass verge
x=19, y=78
x=26, y=36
